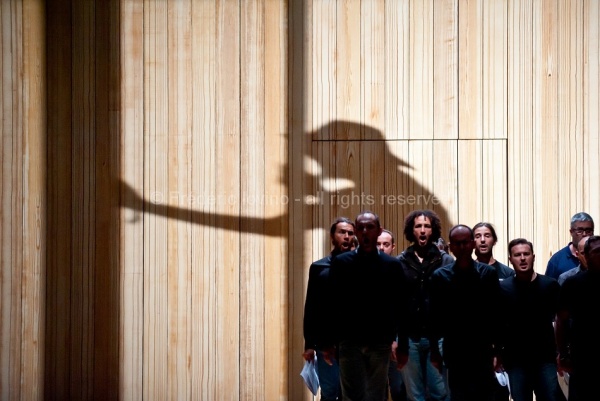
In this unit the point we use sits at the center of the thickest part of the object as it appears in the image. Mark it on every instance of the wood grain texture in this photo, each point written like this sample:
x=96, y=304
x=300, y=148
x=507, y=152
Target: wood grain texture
x=157, y=231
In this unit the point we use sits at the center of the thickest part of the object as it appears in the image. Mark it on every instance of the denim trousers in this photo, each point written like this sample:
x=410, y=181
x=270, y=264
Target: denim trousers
x=329, y=378
x=422, y=379
x=364, y=371
x=397, y=388
x=539, y=378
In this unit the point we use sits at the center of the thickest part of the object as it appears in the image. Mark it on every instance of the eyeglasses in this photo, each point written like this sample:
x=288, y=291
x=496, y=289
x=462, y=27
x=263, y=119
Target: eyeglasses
x=580, y=230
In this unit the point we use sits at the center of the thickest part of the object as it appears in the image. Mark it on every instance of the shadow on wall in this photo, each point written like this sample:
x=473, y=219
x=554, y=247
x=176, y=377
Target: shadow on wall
x=339, y=161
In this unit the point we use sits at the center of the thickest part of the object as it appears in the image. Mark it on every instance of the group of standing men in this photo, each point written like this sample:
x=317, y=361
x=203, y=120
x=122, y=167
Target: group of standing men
x=429, y=326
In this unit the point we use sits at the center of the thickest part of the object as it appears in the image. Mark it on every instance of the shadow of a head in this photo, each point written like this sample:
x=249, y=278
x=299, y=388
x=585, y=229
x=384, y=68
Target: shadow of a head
x=353, y=167
x=343, y=159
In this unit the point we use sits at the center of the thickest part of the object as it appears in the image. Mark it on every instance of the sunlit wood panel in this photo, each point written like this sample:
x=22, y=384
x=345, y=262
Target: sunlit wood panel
x=349, y=86
x=494, y=61
x=397, y=69
x=543, y=233
x=227, y=147
x=132, y=173
x=421, y=22
x=591, y=106
x=204, y=322
x=156, y=172
x=276, y=207
x=445, y=78
x=470, y=60
x=252, y=189
x=372, y=70
x=520, y=124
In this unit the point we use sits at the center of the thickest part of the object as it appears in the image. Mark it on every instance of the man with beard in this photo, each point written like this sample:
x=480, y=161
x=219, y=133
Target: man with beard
x=422, y=228
x=485, y=240
x=341, y=234
x=366, y=314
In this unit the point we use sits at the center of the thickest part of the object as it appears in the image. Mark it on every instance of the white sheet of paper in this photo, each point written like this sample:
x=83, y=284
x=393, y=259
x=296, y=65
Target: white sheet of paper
x=309, y=374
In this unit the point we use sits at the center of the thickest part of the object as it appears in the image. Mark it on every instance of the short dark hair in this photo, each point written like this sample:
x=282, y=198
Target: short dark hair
x=581, y=216
x=487, y=225
x=588, y=244
x=460, y=226
x=338, y=221
x=369, y=212
x=409, y=225
x=519, y=241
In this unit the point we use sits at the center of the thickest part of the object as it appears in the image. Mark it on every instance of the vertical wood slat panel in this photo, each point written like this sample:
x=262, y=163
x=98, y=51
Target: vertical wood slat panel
x=276, y=207
x=106, y=167
x=179, y=99
x=133, y=366
x=545, y=135
x=396, y=175
x=520, y=122
x=494, y=181
x=227, y=106
x=522, y=173
x=34, y=202
x=83, y=201
x=445, y=183
x=494, y=69
x=372, y=76
x=348, y=64
x=445, y=70
x=570, y=106
x=397, y=69
x=421, y=68
x=157, y=167
x=469, y=181
x=591, y=106
x=252, y=187
x=11, y=197
x=300, y=124
x=470, y=61
x=205, y=315
x=58, y=316
x=321, y=83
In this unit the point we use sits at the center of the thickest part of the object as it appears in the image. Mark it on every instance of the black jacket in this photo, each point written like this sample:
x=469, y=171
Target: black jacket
x=418, y=276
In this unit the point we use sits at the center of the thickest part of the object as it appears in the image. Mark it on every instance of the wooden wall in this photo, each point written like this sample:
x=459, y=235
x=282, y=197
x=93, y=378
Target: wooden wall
x=171, y=168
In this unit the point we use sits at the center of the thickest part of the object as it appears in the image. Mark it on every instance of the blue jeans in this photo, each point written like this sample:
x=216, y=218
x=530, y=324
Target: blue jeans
x=421, y=378
x=397, y=388
x=538, y=378
x=364, y=371
x=329, y=378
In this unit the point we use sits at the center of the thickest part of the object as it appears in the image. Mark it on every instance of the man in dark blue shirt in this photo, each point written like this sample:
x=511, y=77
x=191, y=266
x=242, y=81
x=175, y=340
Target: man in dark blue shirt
x=566, y=259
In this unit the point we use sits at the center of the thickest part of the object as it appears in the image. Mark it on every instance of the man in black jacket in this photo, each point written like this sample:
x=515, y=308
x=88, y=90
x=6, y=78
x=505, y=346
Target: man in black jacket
x=464, y=305
x=422, y=228
x=342, y=234
x=367, y=309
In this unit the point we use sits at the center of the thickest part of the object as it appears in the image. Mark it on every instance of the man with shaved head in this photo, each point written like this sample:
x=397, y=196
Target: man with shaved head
x=464, y=304
x=366, y=314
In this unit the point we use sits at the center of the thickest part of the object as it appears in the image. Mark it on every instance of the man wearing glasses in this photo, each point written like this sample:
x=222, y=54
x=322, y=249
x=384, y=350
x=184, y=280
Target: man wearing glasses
x=582, y=225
